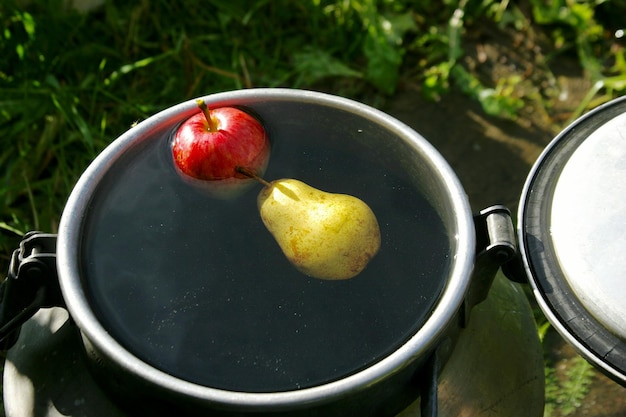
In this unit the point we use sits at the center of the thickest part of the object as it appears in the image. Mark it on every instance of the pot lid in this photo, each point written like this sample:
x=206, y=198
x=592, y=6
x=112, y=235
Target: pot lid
x=572, y=232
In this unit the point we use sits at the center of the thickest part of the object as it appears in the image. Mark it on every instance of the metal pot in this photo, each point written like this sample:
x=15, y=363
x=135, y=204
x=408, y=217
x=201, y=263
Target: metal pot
x=112, y=296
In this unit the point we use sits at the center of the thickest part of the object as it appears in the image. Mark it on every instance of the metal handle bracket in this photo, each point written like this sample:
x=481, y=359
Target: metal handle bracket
x=31, y=283
x=495, y=246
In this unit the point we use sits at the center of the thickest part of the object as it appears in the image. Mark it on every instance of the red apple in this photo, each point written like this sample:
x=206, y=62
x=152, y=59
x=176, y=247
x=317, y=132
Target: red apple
x=212, y=144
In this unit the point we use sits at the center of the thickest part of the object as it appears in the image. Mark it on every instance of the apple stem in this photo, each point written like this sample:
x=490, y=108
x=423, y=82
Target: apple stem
x=251, y=174
x=211, y=125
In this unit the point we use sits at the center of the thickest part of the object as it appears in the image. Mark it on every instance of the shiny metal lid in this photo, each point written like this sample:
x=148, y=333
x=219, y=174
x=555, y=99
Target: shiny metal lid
x=572, y=232
x=588, y=224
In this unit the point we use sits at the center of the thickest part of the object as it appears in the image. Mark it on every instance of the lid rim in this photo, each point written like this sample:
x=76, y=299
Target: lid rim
x=554, y=295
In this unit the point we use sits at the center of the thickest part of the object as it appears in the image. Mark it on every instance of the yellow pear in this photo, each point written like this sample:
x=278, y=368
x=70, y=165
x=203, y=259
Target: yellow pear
x=324, y=235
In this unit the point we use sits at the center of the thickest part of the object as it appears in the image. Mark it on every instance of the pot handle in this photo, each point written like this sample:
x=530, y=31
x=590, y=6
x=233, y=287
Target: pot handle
x=495, y=246
x=31, y=283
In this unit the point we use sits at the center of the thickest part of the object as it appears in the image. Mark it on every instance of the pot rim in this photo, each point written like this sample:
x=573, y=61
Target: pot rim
x=420, y=344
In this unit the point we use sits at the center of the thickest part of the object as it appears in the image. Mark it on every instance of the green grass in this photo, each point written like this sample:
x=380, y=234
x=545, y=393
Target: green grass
x=71, y=83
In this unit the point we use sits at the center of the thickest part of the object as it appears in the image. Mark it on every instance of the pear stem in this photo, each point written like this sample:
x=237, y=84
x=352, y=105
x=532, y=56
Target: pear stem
x=211, y=125
x=248, y=173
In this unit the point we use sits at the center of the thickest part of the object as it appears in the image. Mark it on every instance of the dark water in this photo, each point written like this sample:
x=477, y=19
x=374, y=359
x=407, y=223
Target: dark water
x=197, y=287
